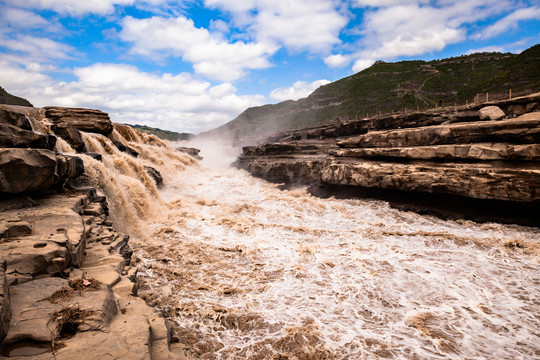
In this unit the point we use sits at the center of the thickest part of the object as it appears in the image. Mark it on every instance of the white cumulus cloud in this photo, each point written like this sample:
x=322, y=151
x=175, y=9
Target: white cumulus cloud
x=20, y=18
x=395, y=28
x=210, y=54
x=508, y=22
x=336, y=61
x=384, y=3
x=73, y=7
x=298, y=90
x=298, y=25
x=362, y=64
x=174, y=102
x=37, y=47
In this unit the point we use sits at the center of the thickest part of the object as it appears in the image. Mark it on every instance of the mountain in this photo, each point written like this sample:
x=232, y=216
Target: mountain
x=163, y=134
x=7, y=98
x=387, y=87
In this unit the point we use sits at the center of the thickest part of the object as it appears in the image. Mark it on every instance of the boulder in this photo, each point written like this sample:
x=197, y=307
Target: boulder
x=124, y=148
x=82, y=119
x=69, y=133
x=23, y=170
x=190, y=151
x=15, y=137
x=154, y=174
x=15, y=119
x=68, y=166
x=491, y=113
x=35, y=117
x=26, y=170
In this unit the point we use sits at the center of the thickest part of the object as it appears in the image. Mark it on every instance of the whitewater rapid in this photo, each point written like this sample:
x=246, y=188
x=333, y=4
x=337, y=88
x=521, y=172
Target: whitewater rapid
x=248, y=271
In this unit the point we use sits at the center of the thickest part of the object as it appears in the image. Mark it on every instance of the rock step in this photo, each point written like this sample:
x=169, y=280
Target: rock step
x=290, y=148
x=53, y=243
x=522, y=130
x=25, y=170
x=479, y=181
x=474, y=180
x=479, y=151
x=81, y=119
x=115, y=324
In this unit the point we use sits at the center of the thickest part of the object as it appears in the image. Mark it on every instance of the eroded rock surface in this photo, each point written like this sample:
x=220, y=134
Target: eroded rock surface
x=82, y=119
x=485, y=152
x=88, y=312
x=5, y=302
x=23, y=170
x=64, y=270
x=191, y=151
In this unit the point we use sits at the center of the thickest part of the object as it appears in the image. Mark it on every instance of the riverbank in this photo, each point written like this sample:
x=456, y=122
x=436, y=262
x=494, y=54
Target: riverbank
x=69, y=283
x=68, y=286
x=483, y=158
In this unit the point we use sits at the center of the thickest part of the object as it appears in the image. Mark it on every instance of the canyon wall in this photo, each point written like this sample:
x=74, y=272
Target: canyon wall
x=482, y=157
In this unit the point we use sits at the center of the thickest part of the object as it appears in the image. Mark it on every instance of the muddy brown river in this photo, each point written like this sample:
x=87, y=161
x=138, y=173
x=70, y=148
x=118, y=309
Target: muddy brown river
x=245, y=270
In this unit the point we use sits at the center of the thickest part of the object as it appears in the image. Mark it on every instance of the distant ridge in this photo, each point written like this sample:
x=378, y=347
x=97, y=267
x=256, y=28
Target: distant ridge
x=163, y=134
x=386, y=87
x=7, y=98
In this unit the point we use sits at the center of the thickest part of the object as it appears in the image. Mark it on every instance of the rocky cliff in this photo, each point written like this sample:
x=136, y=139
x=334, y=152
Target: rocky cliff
x=67, y=283
x=480, y=160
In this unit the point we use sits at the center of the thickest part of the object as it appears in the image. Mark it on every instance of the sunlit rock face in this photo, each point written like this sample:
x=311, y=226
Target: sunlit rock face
x=486, y=152
x=68, y=183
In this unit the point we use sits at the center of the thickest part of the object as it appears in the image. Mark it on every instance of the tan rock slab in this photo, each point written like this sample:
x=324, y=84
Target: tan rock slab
x=481, y=181
x=31, y=312
x=82, y=119
x=517, y=131
x=55, y=224
x=34, y=255
x=480, y=151
x=35, y=304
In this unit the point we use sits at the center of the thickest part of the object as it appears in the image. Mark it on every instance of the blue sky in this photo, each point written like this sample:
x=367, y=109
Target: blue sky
x=190, y=66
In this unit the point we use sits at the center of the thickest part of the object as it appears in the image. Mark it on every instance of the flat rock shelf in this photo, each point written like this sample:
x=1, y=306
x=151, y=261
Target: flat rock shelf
x=484, y=158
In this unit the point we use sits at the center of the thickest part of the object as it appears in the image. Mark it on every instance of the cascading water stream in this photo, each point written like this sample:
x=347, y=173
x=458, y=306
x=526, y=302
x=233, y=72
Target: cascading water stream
x=249, y=271
x=246, y=270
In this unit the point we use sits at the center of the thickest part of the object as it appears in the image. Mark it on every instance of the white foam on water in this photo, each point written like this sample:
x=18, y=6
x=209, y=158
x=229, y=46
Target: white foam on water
x=249, y=271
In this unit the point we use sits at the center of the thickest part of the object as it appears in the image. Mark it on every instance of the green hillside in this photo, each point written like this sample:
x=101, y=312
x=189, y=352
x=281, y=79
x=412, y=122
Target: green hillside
x=7, y=98
x=387, y=87
x=162, y=134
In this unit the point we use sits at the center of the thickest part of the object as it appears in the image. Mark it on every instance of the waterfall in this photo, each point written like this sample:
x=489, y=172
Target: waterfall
x=133, y=196
x=62, y=146
x=246, y=270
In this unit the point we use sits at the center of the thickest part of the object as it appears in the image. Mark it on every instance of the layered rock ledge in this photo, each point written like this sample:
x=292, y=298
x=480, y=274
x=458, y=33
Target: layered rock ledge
x=481, y=157
x=67, y=287
x=67, y=290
